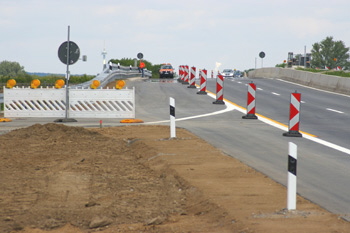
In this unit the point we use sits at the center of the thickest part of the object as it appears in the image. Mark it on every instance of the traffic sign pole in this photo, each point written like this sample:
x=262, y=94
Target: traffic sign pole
x=67, y=76
x=66, y=49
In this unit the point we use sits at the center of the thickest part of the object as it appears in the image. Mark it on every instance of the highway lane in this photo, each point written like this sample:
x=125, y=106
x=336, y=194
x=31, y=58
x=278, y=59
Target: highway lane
x=324, y=114
x=323, y=174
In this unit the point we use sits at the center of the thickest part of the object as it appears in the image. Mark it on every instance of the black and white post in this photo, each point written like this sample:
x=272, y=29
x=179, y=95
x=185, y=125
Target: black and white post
x=172, y=118
x=292, y=177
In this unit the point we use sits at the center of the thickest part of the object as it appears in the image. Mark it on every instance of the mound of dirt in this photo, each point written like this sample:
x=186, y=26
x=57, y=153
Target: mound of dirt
x=135, y=179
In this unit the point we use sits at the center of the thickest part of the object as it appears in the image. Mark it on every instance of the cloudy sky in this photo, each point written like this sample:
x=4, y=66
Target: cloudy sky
x=197, y=33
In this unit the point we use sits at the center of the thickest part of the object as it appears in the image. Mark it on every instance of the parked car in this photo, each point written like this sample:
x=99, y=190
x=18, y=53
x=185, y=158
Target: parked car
x=227, y=73
x=166, y=71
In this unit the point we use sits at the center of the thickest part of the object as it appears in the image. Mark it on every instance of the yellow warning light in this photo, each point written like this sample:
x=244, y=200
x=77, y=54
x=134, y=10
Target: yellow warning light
x=59, y=83
x=95, y=84
x=35, y=83
x=11, y=83
x=120, y=84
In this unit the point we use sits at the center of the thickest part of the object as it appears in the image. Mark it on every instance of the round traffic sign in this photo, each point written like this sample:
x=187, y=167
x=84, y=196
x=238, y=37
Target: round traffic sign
x=139, y=55
x=74, y=53
x=261, y=54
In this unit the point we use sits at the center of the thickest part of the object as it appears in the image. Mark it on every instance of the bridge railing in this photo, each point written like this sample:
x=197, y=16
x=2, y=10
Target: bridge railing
x=117, y=72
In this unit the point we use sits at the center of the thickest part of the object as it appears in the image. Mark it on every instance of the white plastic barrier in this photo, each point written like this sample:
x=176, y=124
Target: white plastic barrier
x=84, y=103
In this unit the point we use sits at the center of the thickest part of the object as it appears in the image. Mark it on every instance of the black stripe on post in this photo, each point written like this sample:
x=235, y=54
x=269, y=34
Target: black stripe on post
x=292, y=165
x=172, y=111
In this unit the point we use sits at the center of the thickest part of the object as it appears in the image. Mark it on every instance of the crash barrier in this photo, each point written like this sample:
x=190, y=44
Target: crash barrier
x=292, y=176
x=219, y=90
x=117, y=72
x=251, y=102
x=192, y=78
x=294, y=116
x=316, y=80
x=203, y=82
x=84, y=103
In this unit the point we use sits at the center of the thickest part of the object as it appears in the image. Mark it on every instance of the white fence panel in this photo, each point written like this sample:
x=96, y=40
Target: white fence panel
x=84, y=103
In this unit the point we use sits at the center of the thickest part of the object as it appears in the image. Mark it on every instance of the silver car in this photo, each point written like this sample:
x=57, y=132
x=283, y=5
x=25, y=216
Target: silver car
x=227, y=73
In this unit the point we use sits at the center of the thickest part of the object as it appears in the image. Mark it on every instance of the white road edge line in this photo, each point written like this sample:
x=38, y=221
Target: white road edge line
x=274, y=93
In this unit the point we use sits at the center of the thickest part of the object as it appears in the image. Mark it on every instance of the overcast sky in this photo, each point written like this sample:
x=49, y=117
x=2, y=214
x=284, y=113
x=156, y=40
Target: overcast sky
x=197, y=33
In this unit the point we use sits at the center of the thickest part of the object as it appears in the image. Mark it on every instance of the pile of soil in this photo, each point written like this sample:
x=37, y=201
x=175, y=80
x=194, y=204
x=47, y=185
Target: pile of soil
x=136, y=179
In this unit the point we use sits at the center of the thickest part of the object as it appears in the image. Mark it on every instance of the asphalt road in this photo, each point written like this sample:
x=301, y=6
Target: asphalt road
x=323, y=174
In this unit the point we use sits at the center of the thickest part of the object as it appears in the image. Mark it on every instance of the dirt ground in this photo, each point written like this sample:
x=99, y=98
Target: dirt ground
x=134, y=178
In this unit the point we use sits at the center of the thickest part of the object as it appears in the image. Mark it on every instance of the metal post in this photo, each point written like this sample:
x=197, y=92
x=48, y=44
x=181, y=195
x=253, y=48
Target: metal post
x=67, y=75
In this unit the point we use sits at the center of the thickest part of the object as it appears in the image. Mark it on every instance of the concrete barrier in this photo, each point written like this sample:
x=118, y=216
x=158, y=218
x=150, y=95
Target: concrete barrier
x=317, y=80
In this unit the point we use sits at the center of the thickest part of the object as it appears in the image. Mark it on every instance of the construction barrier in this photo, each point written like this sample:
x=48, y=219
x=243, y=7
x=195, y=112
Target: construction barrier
x=294, y=116
x=219, y=90
x=192, y=78
x=84, y=103
x=186, y=74
x=251, y=102
x=203, y=82
x=181, y=74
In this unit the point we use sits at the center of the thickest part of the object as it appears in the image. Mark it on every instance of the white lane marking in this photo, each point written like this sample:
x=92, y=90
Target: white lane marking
x=229, y=107
x=274, y=93
x=260, y=89
x=333, y=110
x=303, y=102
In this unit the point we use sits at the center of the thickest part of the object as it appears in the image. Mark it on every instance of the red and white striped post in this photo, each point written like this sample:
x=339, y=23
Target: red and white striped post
x=186, y=73
x=219, y=90
x=180, y=79
x=251, y=102
x=192, y=78
x=212, y=74
x=294, y=116
x=203, y=82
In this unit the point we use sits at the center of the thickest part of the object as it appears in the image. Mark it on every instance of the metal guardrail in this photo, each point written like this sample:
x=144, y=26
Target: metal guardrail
x=117, y=72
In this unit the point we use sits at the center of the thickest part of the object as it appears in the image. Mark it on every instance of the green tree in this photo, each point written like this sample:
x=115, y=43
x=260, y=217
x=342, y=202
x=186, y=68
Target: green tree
x=330, y=53
x=11, y=69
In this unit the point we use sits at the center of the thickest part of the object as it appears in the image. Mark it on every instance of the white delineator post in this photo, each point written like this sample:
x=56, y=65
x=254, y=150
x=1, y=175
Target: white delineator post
x=172, y=118
x=292, y=177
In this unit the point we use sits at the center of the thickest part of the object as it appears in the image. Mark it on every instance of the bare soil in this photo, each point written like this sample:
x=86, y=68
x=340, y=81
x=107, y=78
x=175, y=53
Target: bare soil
x=134, y=178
